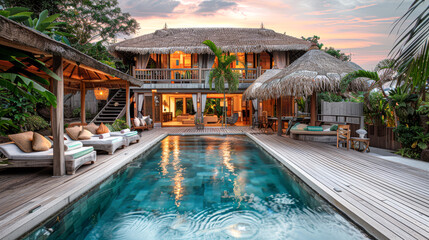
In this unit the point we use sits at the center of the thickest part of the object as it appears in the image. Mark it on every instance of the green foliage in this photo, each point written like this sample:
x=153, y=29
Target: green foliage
x=76, y=113
x=415, y=33
x=213, y=107
x=14, y=80
x=178, y=112
x=34, y=6
x=409, y=153
x=301, y=104
x=376, y=109
x=423, y=108
x=35, y=123
x=315, y=39
x=44, y=23
x=119, y=124
x=418, y=70
x=100, y=20
x=413, y=140
x=405, y=105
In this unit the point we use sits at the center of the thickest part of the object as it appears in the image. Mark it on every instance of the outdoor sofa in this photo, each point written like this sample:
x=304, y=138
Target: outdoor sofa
x=74, y=158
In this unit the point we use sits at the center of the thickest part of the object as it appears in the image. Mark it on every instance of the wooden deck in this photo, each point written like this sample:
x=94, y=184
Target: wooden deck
x=389, y=200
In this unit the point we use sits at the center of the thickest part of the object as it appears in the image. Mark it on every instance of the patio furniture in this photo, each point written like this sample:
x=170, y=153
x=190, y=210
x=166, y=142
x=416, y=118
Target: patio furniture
x=343, y=135
x=232, y=120
x=356, y=142
x=329, y=137
x=271, y=123
x=140, y=127
x=128, y=137
x=73, y=158
x=210, y=119
x=108, y=145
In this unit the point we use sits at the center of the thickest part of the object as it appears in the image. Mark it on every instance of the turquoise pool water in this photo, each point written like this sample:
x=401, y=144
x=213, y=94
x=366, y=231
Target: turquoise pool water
x=202, y=187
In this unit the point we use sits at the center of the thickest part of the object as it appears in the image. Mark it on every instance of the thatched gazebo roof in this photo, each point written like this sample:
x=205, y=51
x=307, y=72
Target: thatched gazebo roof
x=78, y=67
x=250, y=92
x=189, y=40
x=315, y=71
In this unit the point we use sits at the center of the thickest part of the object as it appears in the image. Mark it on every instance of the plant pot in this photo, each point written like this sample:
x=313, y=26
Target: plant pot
x=200, y=126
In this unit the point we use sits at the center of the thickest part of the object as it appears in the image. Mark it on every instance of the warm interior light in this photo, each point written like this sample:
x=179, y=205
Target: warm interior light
x=101, y=93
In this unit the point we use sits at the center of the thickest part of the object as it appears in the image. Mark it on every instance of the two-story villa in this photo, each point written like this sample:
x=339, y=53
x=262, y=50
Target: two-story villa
x=175, y=66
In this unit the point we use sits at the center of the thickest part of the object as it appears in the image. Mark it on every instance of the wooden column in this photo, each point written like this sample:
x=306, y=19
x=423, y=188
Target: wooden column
x=127, y=103
x=153, y=106
x=82, y=103
x=279, y=116
x=251, y=113
x=135, y=104
x=313, y=113
x=184, y=105
x=200, y=108
x=58, y=119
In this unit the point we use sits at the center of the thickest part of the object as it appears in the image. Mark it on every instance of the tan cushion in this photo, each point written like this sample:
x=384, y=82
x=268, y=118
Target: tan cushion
x=40, y=143
x=23, y=141
x=92, y=127
x=301, y=126
x=85, y=135
x=73, y=132
x=102, y=129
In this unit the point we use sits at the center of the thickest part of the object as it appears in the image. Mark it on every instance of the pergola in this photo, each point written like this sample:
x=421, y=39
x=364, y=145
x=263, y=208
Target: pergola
x=79, y=72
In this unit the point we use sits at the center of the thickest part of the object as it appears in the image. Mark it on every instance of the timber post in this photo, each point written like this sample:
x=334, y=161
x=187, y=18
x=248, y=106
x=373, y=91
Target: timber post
x=59, y=167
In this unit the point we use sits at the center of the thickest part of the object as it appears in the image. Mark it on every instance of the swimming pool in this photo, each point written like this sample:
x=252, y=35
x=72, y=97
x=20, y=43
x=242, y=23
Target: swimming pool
x=200, y=187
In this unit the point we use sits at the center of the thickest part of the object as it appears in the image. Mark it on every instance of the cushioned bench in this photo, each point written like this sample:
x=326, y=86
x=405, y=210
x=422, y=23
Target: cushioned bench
x=314, y=136
x=73, y=158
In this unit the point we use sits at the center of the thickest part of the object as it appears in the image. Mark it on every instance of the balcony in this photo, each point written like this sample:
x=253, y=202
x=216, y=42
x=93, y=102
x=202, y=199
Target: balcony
x=190, y=77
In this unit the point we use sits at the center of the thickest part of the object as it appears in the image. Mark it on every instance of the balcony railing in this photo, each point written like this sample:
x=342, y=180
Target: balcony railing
x=191, y=75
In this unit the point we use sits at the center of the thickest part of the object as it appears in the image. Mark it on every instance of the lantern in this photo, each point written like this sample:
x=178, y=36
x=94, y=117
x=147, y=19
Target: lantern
x=101, y=93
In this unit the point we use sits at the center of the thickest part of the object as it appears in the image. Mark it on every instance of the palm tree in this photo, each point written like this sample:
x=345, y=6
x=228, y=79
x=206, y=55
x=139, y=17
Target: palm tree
x=414, y=36
x=222, y=74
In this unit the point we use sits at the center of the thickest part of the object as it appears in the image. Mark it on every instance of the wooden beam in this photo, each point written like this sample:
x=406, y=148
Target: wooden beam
x=82, y=103
x=251, y=113
x=127, y=103
x=279, y=116
x=58, y=119
x=153, y=106
x=135, y=104
x=313, y=113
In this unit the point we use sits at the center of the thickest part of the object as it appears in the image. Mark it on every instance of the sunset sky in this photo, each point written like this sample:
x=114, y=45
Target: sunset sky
x=359, y=27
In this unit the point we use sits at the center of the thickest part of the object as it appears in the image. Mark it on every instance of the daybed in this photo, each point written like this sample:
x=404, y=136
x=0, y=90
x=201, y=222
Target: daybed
x=108, y=145
x=73, y=158
x=325, y=133
x=128, y=137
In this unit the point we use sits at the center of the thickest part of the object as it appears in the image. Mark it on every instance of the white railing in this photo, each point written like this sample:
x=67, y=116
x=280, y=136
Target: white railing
x=191, y=75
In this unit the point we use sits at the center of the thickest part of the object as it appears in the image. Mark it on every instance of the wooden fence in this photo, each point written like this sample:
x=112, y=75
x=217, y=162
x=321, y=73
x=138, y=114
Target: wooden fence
x=382, y=137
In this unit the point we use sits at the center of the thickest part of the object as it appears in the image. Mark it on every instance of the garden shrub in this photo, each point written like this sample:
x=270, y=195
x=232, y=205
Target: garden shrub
x=35, y=123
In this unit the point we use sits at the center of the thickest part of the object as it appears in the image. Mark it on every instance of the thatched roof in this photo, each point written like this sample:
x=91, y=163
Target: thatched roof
x=77, y=65
x=189, y=40
x=315, y=71
x=251, y=90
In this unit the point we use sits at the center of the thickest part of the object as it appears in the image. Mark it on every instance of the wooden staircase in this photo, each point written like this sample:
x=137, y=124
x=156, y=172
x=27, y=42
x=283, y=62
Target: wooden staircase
x=114, y=109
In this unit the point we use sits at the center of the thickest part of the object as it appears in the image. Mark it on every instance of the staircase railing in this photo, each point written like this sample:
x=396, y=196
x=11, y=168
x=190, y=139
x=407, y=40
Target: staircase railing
x=107, y=104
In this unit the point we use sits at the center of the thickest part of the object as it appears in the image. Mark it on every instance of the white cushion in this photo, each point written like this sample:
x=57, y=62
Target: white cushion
x=137, y=122
x=104, y=136
x=143, y=121
x=12, y=152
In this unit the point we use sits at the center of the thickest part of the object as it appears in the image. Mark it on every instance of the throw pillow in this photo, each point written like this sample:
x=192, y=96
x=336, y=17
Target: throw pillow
x=143, y=121
x=73, y=132
x=102, y=129
x=92, y=127
x=23, y=141
x=334, y=127
x=40, y=143
x=137, y=122
x=85, y=135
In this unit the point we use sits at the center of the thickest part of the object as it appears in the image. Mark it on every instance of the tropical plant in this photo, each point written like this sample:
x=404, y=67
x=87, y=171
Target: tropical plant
x=415, y=34
x=44, y=23
x=315, y=39
x=331, y=51
x=119, y=124
x=34, y=6
x=405, y=105
x=300, y=102
x=222, y=74
x=418, y=71
x=35, y=123
x=375, y=109
x=413, y=140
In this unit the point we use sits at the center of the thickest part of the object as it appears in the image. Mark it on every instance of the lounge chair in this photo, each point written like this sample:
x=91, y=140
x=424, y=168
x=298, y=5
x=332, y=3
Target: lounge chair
x=108, y=145
x=128, y=137
x=343, y=135
x=232, y=120
x=73, y=158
